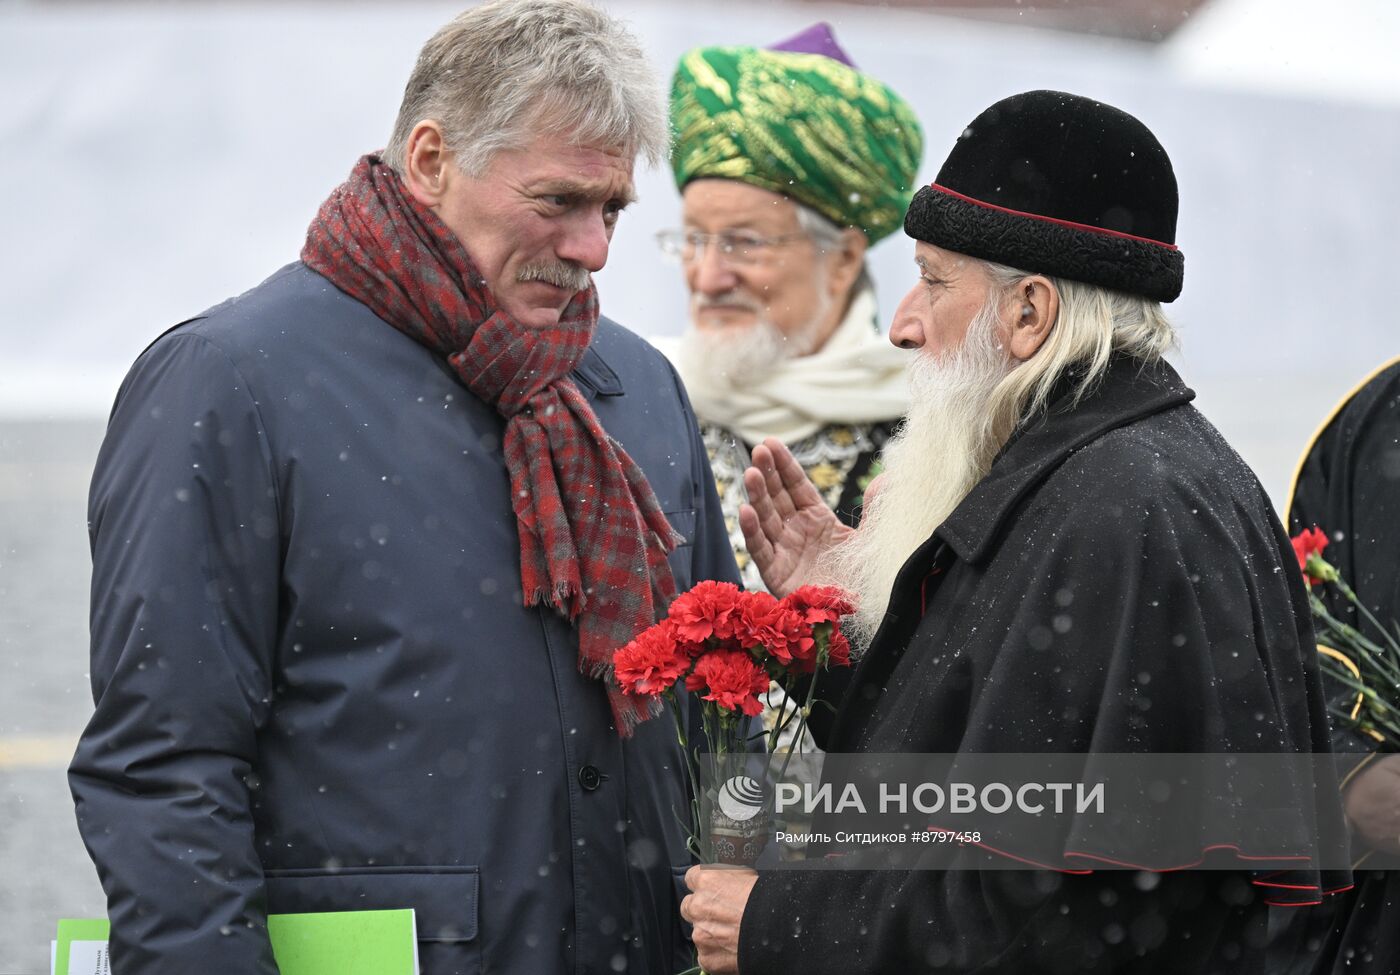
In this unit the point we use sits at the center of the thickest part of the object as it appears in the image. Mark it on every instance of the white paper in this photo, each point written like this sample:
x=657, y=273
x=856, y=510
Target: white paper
x=88, y=958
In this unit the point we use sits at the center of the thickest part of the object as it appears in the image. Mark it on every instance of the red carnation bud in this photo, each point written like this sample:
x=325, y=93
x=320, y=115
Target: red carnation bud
x=1307, y=547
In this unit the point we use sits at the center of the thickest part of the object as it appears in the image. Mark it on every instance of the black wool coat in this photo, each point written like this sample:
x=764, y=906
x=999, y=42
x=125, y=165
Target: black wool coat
x=1349, y=485
x=1118, y=582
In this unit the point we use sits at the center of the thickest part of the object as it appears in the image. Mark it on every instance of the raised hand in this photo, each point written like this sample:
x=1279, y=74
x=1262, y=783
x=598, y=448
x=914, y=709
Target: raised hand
x=787, y=526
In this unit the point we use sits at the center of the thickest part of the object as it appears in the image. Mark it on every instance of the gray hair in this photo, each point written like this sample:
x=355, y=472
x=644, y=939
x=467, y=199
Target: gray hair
x=1093, y=324
x=826, y=234
x=500, y=72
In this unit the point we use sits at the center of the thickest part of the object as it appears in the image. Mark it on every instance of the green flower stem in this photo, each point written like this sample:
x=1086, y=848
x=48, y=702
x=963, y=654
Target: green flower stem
x=1351, y=596
x=1369, y=658
x=693, y=839
x=807, y=704
x=1369, y=653
x=781, y=725
x=1375, y=713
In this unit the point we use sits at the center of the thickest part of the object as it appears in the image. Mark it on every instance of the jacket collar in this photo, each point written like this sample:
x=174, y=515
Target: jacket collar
x=1127, y=391
x=594, y=376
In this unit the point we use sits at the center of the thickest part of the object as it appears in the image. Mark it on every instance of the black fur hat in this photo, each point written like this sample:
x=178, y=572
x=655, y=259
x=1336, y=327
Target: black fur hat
x=1058, y=184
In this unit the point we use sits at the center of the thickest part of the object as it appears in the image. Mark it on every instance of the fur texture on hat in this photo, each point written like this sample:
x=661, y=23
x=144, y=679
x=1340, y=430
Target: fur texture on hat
x=1062, y=185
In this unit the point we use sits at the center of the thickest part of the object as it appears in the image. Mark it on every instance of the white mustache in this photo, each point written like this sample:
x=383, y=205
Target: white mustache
x=731, y=300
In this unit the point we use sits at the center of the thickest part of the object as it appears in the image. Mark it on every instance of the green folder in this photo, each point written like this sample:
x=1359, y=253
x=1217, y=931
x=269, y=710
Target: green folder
x=331, y=943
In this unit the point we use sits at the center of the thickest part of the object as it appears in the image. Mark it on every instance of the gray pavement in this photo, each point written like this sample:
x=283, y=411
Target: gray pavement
x=45, y=873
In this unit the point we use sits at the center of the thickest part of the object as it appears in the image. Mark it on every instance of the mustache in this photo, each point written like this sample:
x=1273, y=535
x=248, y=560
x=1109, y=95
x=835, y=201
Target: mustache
x=730, y=299
x=561, y=274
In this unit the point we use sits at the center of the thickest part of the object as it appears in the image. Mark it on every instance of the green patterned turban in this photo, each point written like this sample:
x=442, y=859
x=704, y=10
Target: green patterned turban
x=803, y=125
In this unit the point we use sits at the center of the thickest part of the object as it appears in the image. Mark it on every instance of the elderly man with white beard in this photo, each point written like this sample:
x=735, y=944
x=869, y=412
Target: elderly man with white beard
x=1062, y=556
x=791, y=162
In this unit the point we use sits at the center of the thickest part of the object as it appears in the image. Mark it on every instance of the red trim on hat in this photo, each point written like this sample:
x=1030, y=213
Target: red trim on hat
x=1063, y=223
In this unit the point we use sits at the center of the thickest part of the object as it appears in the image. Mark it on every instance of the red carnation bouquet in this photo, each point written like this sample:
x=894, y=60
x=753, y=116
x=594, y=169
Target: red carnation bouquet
x=726, y=646
x=1369, y=666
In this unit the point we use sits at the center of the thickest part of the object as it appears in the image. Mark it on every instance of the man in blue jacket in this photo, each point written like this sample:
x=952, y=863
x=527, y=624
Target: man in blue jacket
x=365, y=536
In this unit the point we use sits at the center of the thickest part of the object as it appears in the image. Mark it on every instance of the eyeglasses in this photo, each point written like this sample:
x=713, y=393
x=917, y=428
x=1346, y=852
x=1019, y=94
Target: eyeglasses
x=736, y=248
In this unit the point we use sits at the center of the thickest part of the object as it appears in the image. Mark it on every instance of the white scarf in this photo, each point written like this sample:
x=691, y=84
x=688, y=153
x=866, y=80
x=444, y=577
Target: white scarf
x=856, y=377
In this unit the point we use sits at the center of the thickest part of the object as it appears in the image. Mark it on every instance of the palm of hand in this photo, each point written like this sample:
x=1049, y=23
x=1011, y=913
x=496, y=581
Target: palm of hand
x=806, y=536
x=787, y=526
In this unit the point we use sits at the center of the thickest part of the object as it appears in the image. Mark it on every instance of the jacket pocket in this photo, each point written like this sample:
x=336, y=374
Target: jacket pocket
x=443, y=899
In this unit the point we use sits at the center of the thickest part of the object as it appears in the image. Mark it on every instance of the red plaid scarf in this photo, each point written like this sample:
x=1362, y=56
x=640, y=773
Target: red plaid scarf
x=590, y=527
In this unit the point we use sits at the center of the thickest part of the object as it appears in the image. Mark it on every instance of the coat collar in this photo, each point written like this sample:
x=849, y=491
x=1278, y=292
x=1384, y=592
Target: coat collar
x=1127, y=391
x=594, y=376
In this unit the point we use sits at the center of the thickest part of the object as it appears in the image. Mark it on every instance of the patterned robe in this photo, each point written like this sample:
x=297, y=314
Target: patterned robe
x=841, y=461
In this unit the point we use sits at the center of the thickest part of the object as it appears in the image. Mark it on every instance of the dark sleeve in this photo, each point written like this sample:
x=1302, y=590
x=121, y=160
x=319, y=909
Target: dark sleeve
x=1348, y=485
x=822, y=922
x=183, y=520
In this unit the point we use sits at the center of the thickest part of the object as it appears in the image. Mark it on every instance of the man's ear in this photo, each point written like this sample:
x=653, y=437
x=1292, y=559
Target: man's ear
x=845, y=261
x=428, y=165
x=1037, y=308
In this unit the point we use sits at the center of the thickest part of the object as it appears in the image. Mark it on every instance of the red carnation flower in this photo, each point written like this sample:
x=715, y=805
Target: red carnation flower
x=756, y=602
x=745, y=624
x=788, y=638
x=1306, y=544
x=732, y=678
x=652, y=662
x=820, y=604
x=705, y=611
x=838, y=649
x=750, y=626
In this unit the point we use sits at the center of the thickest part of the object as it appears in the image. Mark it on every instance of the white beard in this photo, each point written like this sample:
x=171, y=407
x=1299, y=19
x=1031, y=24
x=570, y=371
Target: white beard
x=930, y=465
x=733, y=356
x=746, y=355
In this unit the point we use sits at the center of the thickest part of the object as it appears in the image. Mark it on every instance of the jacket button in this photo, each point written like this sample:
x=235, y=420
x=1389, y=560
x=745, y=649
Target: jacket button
x=590, y=778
